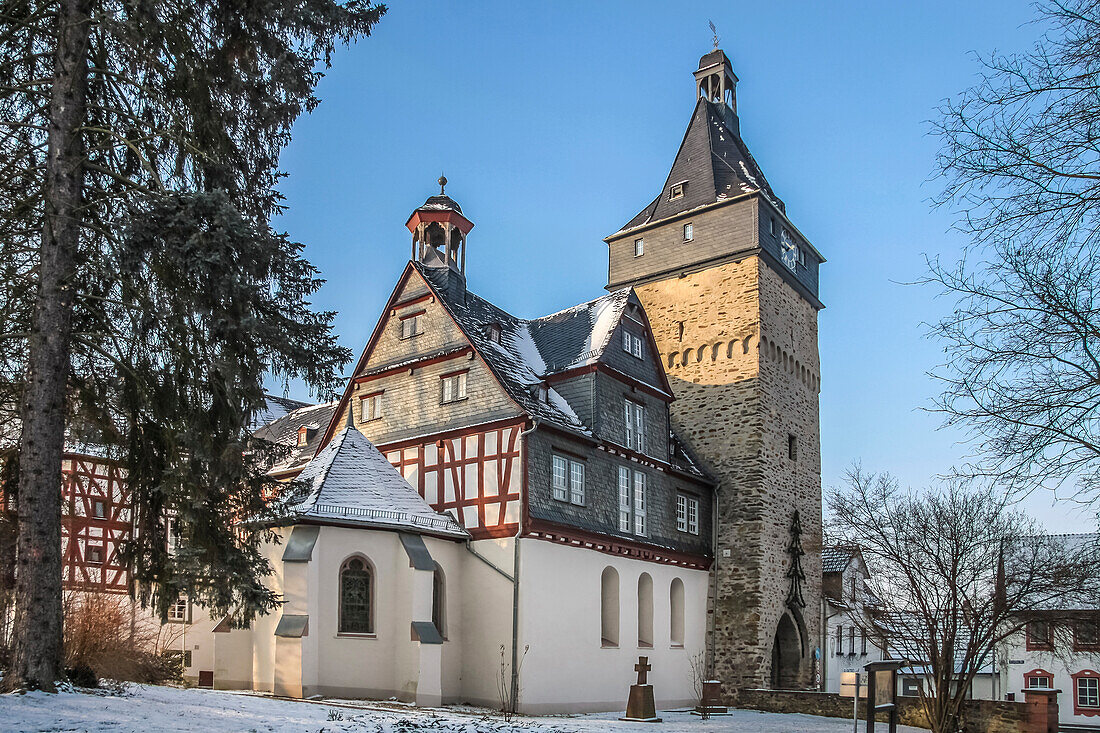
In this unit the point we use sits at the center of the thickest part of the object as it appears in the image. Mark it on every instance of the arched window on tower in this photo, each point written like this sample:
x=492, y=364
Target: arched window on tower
x=645, y=610
x=439, y=601
x=356, y=597
x=676, y=612
x=609, y=607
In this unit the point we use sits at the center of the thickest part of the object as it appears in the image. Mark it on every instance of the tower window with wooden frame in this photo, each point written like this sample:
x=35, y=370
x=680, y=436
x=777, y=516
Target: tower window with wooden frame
x=412, y=325
x=635, y=423
x=370, y=407
x=453, y=387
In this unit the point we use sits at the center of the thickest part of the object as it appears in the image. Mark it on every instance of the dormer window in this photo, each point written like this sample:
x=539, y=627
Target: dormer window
x=676, y=190
x=493, y=332
x=639, y=247
x=543, y=392
x=303, y=436
x=412, y=325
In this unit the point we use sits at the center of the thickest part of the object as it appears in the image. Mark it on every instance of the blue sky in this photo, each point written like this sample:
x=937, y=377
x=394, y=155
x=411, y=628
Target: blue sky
x=557, y=122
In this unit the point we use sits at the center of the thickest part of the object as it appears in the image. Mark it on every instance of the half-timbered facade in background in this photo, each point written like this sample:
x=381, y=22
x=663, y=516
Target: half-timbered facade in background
x=95, y=521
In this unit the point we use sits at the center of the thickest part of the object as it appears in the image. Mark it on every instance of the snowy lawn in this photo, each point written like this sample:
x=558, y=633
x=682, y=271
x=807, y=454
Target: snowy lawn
x=145, y=709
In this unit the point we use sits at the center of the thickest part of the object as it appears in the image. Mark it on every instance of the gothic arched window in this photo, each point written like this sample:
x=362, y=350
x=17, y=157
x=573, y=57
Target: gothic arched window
x=356, y=597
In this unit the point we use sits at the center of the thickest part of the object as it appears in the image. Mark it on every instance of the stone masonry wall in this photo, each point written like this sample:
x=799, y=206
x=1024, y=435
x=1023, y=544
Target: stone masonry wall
x=736, y=405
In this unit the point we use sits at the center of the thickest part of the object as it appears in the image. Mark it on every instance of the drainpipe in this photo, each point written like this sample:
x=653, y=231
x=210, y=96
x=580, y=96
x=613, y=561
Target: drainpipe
x=711, y=625
x=515, y=575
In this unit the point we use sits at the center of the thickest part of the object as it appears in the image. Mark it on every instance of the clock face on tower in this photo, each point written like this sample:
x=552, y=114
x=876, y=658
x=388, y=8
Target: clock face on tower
x=788, y=250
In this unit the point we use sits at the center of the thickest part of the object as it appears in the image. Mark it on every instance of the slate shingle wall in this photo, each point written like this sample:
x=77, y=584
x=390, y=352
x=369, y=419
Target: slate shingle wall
x=601, y=510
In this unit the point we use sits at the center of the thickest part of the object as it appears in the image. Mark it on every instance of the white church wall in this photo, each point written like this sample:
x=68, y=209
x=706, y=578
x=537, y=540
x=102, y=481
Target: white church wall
x=479, y=601
x=263, y=627
x=567, y=669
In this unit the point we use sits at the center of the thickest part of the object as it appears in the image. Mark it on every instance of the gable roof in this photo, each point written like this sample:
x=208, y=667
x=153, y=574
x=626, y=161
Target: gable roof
x=284, y=431
x=836, y=559
x=527, y=350
x=713, y=163
x=351, y=482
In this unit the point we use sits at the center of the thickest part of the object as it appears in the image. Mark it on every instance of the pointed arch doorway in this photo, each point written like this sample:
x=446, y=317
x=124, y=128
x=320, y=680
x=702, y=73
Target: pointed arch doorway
x=787, y=654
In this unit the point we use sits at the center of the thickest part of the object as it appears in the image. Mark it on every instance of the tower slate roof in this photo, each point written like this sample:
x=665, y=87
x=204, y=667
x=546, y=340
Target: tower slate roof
x=351, y=482
x=713, y=163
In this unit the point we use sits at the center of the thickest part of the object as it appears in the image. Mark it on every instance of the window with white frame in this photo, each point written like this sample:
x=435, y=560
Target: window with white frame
x=639, y=247
x=568, y=480
x=634, y=416
x=412, y=325
x=633, y=344
x=632, y=501
x=687, y=514
x=454, y=387
x=1088, y=692
x=371, y=407
x=99, y=509
x=689, y=232
x=177, y=612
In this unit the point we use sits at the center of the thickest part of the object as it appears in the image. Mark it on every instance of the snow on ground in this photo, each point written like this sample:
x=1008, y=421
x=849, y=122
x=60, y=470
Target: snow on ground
x=143, y=709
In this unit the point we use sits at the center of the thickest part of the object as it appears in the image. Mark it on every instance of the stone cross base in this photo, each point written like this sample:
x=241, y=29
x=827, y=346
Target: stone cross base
x=712, y=698
x=640, y=707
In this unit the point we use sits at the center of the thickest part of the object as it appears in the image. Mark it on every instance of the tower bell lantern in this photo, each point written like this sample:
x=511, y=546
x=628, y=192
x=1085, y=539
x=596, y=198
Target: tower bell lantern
x=716, y=82
x=439, y=232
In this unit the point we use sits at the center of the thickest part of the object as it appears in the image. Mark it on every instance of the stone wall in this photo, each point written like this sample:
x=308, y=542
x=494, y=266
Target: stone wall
x=980, y=716
x=740, y=346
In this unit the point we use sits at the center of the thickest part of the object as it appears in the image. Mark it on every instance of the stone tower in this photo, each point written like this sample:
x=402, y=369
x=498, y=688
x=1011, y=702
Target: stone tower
x=730, y=287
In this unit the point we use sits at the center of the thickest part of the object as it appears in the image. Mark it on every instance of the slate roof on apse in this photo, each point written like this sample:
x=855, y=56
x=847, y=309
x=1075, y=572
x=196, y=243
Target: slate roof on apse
x=352, y=482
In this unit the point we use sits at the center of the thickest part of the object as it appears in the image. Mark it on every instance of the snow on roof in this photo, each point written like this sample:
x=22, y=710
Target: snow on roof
x=284, y=431
x=351, y=481
x=516, y=358
x=835, y=559
x=276, y=407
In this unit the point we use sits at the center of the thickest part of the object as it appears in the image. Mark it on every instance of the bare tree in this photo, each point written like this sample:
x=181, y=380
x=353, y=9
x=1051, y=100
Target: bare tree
x=1020, y=164
x=955, y=572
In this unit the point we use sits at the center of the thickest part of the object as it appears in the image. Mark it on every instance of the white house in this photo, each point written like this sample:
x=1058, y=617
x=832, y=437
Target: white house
x=848, y=643
x=1059, y=651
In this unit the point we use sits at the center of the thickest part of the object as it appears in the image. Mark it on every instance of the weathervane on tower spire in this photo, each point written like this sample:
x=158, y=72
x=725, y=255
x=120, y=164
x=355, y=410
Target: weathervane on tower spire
x=715, y=32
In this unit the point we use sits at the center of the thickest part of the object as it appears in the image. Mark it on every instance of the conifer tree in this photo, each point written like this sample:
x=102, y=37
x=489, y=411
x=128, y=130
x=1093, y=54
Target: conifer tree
x=145, y=296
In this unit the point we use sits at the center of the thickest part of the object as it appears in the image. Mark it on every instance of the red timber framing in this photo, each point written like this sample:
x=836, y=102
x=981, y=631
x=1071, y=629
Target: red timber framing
x=574, y=537
x=95, y=521
x=475, y=475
